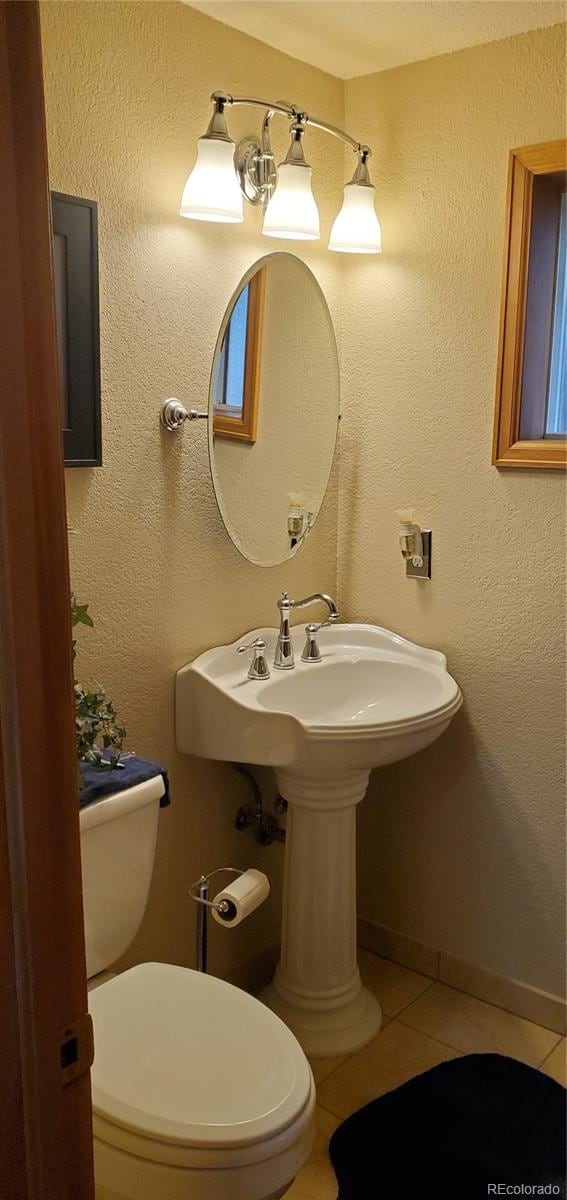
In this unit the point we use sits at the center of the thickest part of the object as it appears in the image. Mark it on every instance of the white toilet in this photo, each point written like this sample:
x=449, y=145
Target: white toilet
x=199, y=1091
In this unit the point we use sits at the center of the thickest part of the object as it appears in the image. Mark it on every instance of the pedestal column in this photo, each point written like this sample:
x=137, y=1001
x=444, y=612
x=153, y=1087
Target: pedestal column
x=317, y=989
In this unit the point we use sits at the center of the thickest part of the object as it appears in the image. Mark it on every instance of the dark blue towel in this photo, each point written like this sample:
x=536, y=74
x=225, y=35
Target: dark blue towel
x=135, y=770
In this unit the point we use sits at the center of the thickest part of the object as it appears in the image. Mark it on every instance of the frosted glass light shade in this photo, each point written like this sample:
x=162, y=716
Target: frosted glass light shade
x=212, y=191
x=292, y=211
x=356, y=229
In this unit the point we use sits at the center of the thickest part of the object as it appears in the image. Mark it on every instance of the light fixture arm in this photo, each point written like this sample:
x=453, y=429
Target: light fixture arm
x=294, y=113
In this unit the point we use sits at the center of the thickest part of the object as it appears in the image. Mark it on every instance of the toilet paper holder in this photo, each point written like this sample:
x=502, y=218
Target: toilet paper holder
x=224, y=907
x=199, y=892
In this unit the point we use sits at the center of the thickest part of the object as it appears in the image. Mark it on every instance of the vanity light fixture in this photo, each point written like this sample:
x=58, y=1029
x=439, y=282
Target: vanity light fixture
x=356, y=229
x=292, y=211
x=212, y=192
x=223, y=174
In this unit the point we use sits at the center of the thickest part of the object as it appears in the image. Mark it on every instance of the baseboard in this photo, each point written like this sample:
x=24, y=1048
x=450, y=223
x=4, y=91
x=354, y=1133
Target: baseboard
x=399, y=947
x=519, y=998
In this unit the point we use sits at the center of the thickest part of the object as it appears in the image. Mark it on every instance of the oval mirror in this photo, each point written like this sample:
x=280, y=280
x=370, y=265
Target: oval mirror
x=273, y=409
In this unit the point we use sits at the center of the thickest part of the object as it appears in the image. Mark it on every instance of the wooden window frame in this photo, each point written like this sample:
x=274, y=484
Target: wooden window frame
x=509, y=450
x=245, y=428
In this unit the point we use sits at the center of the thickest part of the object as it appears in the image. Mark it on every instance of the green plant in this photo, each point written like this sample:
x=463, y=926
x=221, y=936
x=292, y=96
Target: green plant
x=97, y=727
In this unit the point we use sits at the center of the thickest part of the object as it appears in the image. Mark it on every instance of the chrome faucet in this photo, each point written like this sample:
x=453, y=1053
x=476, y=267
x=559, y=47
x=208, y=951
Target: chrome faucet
x=284, y=659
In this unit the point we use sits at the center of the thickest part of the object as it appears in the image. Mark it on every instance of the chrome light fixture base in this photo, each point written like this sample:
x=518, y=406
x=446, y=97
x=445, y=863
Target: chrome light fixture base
x=256, y=171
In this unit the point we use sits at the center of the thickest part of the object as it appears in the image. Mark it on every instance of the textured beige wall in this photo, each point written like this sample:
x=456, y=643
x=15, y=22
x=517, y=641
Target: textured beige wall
x=127, y=87
x=461, y=847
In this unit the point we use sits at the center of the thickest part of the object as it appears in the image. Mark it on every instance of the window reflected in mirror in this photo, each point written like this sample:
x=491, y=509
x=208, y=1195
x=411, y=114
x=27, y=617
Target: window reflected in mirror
x=237, y=379
x=531, y=402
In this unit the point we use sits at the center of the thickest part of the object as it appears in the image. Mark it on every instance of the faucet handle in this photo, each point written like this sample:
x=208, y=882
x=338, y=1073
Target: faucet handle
x=259, y=668
x=258, y=644
x=315, y=626
x=311, y=651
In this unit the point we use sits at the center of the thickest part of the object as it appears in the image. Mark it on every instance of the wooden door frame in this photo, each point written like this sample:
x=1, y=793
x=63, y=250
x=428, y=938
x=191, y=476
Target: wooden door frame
x=47, y=1037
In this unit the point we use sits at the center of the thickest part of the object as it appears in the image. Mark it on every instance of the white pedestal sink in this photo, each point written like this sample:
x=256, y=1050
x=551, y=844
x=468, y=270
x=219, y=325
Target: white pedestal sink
x=374, y=698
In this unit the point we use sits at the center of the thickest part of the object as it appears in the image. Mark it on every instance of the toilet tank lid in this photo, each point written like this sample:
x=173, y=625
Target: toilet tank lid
x=187, y=1058
x=117, y=804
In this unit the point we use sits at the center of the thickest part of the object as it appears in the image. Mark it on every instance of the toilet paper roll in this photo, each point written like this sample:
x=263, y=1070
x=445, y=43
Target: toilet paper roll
x=242, y=896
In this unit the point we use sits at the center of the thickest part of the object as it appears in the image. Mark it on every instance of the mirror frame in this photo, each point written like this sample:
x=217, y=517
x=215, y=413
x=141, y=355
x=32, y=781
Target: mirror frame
x=253, y=269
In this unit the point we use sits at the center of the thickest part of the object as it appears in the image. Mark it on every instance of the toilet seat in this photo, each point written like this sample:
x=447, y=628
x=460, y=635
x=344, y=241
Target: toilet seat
x=192, y=1072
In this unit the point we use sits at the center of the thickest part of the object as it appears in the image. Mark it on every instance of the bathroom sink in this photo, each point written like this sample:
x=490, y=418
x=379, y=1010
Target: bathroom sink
x=373, y=698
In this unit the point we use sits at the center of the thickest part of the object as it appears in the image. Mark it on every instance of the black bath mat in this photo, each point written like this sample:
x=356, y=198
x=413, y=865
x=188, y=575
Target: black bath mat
x=451, y=1133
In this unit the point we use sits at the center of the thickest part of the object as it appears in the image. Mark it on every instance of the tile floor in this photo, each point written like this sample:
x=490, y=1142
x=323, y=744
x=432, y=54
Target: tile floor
x=425, y=1023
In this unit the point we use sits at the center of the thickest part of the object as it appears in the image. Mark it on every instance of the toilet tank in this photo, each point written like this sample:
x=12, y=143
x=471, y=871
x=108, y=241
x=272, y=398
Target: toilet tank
x=118, y=842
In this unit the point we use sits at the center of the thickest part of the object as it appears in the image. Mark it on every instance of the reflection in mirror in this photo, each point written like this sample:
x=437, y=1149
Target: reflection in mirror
x=274, y=404
x=236, y=384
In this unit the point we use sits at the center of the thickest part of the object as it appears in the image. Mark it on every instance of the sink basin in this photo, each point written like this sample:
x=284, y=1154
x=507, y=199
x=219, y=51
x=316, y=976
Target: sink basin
x=374, y=698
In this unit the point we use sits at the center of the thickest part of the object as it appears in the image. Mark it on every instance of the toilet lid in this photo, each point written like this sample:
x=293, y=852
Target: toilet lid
x=186, y=1058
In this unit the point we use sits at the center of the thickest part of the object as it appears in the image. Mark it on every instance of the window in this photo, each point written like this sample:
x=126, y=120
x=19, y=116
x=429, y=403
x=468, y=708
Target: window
x=237, y=381
x=531, y=401
x=556, y=418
